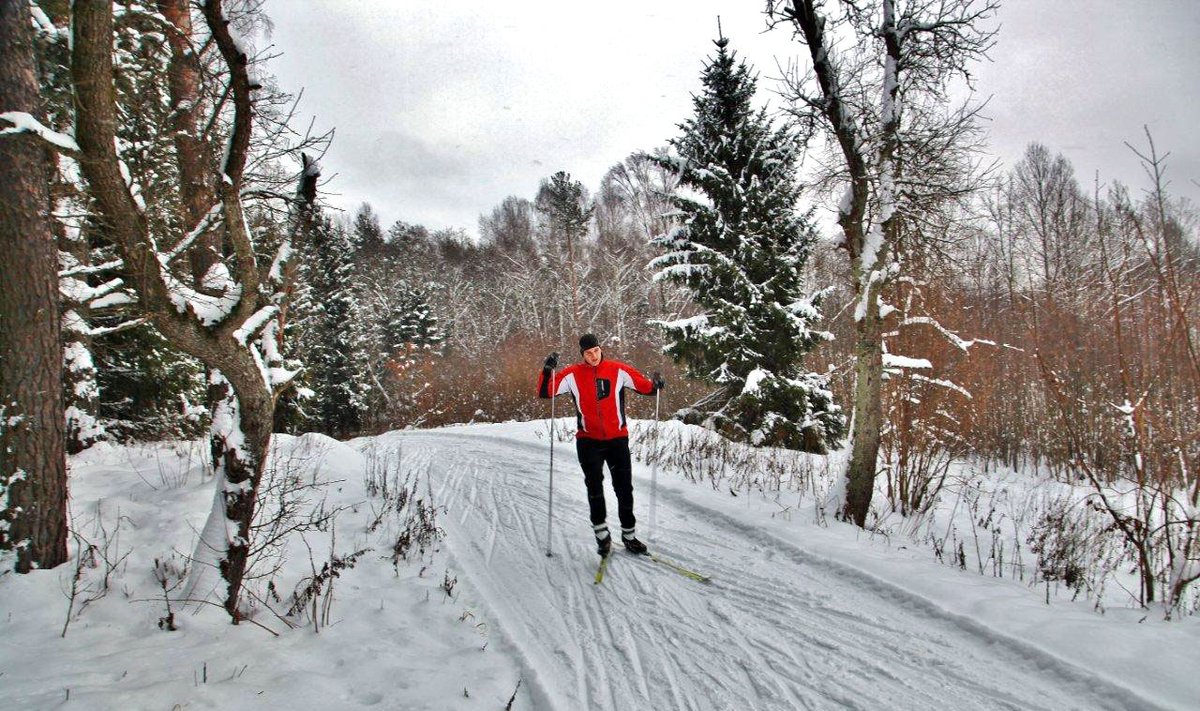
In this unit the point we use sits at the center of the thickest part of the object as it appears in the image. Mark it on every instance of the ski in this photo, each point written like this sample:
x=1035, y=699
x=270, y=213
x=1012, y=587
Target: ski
x=600, y=570
x=672, y=565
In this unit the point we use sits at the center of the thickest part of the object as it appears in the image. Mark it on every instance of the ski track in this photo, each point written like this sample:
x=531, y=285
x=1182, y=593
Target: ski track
x=778, y=628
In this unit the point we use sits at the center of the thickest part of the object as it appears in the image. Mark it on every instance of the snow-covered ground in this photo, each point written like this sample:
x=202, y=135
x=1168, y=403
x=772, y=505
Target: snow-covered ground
x=797, y=616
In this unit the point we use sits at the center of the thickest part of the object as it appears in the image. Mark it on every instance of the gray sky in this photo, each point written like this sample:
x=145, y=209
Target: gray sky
x=443, y=109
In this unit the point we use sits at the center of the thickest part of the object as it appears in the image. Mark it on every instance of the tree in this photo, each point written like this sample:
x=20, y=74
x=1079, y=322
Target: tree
x=635, y=196
x=568, y=210
x=33, y=468
x=898, y=154
x=120, y=378
x=510, y=228
x=328, y=338
x=741, y=251
x=230, y=320
x=367, y=233
x=1051, y=215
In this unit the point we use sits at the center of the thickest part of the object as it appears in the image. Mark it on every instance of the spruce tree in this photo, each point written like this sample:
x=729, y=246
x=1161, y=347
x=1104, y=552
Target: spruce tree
x=367, y=234
x=328, y=343
x=410, y=323
x=739, y=248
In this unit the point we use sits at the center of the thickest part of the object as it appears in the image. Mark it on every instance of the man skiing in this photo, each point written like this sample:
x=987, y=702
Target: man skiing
x=598, y=387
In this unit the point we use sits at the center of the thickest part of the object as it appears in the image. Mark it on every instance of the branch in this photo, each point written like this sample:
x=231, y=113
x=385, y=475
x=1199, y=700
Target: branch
x=237, y=59
x=25, y=123
x=234, y=163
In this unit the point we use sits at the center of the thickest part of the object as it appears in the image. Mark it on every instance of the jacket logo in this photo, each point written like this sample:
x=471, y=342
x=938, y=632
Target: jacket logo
x=603, y=388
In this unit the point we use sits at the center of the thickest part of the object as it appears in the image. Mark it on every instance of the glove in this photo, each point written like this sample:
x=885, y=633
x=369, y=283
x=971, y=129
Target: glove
x=551, y=361
x=656, y=379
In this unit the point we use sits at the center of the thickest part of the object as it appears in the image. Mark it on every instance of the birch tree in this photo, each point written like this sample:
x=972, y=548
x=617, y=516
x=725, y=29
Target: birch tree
x=875, y=91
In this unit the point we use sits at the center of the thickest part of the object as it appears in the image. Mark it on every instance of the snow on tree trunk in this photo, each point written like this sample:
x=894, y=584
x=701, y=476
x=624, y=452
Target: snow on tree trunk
x=231, y=322
x=923, y=45
x=239, y=446
x=33, y=471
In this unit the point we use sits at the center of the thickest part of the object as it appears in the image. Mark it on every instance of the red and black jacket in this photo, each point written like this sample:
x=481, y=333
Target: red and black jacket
x=599, y=393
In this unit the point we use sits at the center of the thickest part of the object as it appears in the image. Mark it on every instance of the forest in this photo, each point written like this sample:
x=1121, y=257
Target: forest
x=845, y=272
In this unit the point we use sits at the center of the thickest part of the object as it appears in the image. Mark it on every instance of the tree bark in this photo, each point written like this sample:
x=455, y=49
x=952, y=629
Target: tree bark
x=33, y=470
x=243, y=403
x=868, y=418
x=192, y=156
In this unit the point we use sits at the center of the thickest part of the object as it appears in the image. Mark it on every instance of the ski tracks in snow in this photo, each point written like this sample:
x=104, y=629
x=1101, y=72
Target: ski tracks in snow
x=777, y=629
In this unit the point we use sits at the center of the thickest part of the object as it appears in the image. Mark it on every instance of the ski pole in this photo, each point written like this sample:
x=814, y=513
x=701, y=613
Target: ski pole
x=654, y=469
x=550, y=509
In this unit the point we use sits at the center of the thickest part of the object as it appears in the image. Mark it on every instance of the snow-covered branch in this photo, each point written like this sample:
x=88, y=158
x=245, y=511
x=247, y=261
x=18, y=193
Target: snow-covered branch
x=22, y=122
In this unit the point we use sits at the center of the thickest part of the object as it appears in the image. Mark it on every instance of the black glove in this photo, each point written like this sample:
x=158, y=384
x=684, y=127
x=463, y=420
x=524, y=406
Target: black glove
x=551, y=361
x=656, y=379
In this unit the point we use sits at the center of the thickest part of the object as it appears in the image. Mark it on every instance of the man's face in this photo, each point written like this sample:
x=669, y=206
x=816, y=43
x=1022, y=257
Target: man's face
x=592, y=356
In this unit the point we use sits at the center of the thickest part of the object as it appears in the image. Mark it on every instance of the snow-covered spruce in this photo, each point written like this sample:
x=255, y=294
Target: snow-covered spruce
x=325, y=333
x=740, y=248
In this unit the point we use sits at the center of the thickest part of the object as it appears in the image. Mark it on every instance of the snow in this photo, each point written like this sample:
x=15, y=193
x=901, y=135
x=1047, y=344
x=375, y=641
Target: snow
x=871, y=245
x=891, y=360
x=42, y=22
x=755, y=377
x=846, y=204
x=255, y=323
x=282, y=256
x=23, y=122
x=798, y=615
x=209, y=310
x=120, y=298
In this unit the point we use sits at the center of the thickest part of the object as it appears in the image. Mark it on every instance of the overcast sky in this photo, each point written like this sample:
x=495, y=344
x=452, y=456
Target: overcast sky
x=442, y=109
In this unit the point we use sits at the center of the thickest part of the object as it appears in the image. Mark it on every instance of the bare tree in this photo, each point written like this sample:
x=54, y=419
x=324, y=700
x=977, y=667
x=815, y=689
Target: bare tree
x=33, y=469
x=1051, y=216
x=231, y=322
x=510, y=228
x=899, y=152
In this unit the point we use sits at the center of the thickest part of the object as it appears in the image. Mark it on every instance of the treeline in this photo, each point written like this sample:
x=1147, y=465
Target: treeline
x=443, y=328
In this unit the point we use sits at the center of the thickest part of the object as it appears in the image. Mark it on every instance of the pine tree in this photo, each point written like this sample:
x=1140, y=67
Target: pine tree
x=740, y=248
x=33, y=467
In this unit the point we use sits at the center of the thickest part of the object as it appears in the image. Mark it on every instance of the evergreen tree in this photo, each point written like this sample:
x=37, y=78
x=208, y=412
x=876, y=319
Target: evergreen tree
x=127, y=385
x=327, y=341
x=411, y=323
x=568, y=210
x=740, y=248
x=33, y=467
x=368, y=234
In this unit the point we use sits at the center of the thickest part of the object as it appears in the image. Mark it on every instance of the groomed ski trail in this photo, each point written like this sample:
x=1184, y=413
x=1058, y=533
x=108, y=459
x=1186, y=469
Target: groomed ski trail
x=776, y=629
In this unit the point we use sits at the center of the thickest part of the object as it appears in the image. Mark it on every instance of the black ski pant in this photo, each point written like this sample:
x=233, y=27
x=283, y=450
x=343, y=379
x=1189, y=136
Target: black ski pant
x=593, y=454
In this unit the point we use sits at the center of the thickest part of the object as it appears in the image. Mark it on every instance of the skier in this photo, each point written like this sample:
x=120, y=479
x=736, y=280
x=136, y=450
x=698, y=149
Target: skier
x=598, y=387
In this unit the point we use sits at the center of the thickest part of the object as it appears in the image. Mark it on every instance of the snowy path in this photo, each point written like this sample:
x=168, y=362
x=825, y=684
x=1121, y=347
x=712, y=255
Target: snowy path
x=777, y=629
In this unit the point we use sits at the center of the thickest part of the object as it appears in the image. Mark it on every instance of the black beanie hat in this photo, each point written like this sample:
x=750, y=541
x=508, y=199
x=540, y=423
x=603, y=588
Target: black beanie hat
x=588, y=341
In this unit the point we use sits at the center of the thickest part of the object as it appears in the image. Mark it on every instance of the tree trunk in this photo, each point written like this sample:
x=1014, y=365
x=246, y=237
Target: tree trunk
x=868, y=418
x=238, y=370
x=183, y=85
x=33, y=469
x=240, y=440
